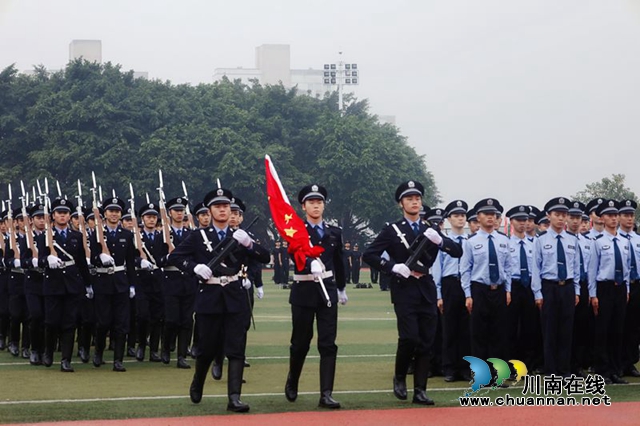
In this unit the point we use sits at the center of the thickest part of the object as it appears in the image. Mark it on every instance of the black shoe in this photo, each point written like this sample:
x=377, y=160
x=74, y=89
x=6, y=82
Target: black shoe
x=326, y=401
x=236, y=405
x=3, y=343
x=400, y=388
x=632, y=372
x=131, y=352
x=617, y=380
x=182, y=363
x=13, y=349
x=165, y=357
x=97, y=360
x=47, y=360
x=420, y=397
x=117, y=366
x=290, y=391
x=216, y=371
x=140, y=353
x=450, y=378
x=607, y=381
x=83, y=354
x=154, y=357
x=195, y=391
x=25, y=353
x=246, y=364
x=65, y=366
x=34, y=359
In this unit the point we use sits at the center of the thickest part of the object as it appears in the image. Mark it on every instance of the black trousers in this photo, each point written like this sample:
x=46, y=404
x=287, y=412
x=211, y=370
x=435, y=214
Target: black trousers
x=417, y=325
x=612, y=301
x=384, y=281
x=327, y=325
x=456, y=340
x=489, y=314
x=583, y=325
x=178, y=310
x=61, y=312
x=87, y=322
x=374, y=275
x=149, y=311
x=112, y=312
x=524, y=337
x=19, y=320
x=226, y=330
x=631, y=342
x=558, y=310
x=35, y=306
x=355, y=274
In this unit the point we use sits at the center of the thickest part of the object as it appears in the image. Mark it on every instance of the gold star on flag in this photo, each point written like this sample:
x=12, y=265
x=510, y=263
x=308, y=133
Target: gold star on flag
x=290, y=232
x=287, y=218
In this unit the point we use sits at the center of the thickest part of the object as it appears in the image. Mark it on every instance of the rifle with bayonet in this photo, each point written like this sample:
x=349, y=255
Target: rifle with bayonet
x=82, y=227
x=192, y=224
x=28, y=230
x=166, y=228
x=48, y=237
x=98, y=217
x=139, y=245
x=224, y=250
x=11, y=232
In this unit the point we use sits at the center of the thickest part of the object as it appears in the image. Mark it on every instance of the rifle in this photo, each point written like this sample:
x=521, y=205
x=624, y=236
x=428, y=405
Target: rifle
x=48, y=237
x=98, y=218
x=192, y=224
x=225, y=250
x=418, y=249
x=25, y=217
x=81, y=223
x=166, y=229
x=10, y=229
x=136, y=229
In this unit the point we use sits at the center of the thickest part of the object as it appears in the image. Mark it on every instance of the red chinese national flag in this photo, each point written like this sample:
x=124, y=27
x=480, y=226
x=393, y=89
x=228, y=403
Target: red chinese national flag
x=287, y=222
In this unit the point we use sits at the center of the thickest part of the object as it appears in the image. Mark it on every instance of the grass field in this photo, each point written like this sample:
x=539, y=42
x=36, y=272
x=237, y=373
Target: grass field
x=366, y=339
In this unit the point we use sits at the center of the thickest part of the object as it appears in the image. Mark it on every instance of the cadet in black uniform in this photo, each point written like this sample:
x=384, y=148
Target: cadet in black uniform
x=413, y=294
x=114, y=283
x=4, y=284
x=356, y=264
x=33, y=291
x=308, y=301
x=87, y=311
x=221, y=306
x=19, y=328
x=132, y=335
x=64, y=276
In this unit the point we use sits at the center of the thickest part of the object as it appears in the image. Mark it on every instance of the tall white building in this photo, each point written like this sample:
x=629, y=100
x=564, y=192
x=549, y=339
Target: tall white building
x=91, y=50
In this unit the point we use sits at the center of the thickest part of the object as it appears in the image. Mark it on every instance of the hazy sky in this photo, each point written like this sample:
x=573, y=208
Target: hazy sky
x=518, y=100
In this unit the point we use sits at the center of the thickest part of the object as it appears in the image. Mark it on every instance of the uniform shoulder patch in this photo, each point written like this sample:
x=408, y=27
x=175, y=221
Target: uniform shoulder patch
x=586, y=234
x=472, y=235
x=501, y=233
x=571, y=233
x=542, y=233
x=599, y=236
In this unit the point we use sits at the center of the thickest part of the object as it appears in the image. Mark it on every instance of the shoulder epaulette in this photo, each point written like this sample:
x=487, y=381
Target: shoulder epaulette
x=599, y=236
x=501, y=233
x=472, y=235
x=586, y=234
x=571, y=233
x=542, y=233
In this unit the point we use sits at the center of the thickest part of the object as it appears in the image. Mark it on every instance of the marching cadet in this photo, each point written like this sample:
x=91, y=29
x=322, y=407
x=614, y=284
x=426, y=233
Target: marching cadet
x=127, y=223
x=472, y=221
x=435, y=216
x=19, y=325
x=346, y=254
x=179, y=290
x=204, y=221
x=542, y=222
x=114, y=284
x=585, y=225
x=598, y=224
x=62, y=256
x=609, y=273
x=4, y=283
x=87, y=311
x=531, y=229
x=202, y=215
x=485, y=269
x=524, y=340
x=583, y=318
x=556, y=287
x=631, y=335
x=307, y=300
x=221, y=305
x=356, y=264
x=455, y=318
x=149, y=299
x=33, y=290
x=413, y=293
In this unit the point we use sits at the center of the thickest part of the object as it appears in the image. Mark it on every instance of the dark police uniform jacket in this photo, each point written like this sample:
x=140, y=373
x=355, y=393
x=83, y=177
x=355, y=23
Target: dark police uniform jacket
x=123, y=251
x=215, y=298
x=407, y=290
x=72, y=278
x=309, y=293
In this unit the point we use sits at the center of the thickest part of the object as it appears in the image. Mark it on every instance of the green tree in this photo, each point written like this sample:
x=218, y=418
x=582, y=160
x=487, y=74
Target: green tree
x=613, y=188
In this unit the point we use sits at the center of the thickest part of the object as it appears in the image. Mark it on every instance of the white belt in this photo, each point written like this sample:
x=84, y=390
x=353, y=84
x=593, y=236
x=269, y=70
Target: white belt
x=110, y=270
x=18, y=270
x=221, y=280
x=309, y=277
x=148, y=270
x=171, y=269
x=67, y=263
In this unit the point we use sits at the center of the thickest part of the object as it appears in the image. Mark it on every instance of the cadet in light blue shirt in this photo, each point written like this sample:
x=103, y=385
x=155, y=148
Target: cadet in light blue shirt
x=595, y=219
x=556, y=287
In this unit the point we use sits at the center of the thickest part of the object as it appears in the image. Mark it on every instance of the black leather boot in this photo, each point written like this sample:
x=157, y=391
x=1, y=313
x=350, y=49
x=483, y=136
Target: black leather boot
x=118, y=352
x=234, y=386
x=197, y=384
x=295, y=370
x=101, y=337
x=51, y=337
x=422, y=364
x=327, y=375
x=184, y=336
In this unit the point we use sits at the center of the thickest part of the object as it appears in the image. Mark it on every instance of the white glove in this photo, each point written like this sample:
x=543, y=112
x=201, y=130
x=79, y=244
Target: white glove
x=433, y=235
x=401, y=269
x=16, y=263
x=34, y=262
x=246, y=283
x=145, y=264
x=241, y=236
x=260, y=292
x=132, y=292
x=88, y=261
x=89, y=291
x=342, y=296
x=106, y=259
x=316, y=268
x=54, y=262
x=203, y=271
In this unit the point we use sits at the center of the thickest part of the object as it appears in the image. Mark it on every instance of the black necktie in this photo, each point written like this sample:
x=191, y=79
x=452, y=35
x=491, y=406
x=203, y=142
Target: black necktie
x=179, y=232
x=562, y=261
x=619, y=273
x=524, y=266
x=221, y=234
x=459, y=242
x=319, y=231
x=150, y=236
x=494, y=270
x=416, y=228
x=63, y=234
x=583, y=273
x=634, y=262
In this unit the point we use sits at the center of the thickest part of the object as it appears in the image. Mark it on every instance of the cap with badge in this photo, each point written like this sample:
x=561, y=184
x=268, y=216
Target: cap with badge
x=576, y=208
x=533, y=212
x=88, y=213
x=423, y=210
x=178, y=203
x=218, y=196
x=312, y=192
x=456, y=207
x=114, y=203
x=149, y=209
x=17, y=213
x=36, y=210
x=541, y=218
x=4, y=215
x=408, y=188
x=558, y=204
x=593, y=205
x=520, y=212
x=472, y=216
x=62, y=205
x=607, y=207
x=200, y=208
x=237, y=205
x=627, y=206
x=435, y=215
x=127, y=214
x=487, y=205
